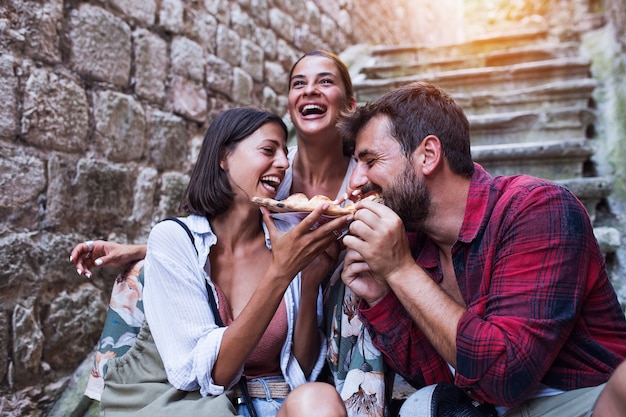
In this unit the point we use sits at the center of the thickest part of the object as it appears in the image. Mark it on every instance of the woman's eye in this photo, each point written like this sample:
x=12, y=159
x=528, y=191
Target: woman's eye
x=327, y=81
x=297, y=84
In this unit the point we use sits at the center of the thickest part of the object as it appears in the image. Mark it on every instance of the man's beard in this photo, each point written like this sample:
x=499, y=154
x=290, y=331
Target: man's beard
x=408, y=197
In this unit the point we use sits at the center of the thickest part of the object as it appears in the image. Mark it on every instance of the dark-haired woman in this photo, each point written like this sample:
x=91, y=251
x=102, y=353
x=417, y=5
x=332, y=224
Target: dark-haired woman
x=269, y=310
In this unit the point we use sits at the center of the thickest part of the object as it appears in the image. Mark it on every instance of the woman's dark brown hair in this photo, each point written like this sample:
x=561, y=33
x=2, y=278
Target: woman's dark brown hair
x=208, y=192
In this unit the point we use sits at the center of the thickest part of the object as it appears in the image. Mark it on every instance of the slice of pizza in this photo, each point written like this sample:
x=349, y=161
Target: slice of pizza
x=299, y=202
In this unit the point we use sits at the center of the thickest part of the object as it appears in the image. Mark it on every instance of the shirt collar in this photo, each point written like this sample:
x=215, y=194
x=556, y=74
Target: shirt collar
x=201, y=226
x=477, y=204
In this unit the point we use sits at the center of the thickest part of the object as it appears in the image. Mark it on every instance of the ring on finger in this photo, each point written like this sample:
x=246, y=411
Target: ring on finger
x=89, y=244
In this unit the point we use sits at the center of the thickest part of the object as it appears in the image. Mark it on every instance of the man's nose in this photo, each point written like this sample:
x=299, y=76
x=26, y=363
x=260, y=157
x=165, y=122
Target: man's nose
x=357, y=180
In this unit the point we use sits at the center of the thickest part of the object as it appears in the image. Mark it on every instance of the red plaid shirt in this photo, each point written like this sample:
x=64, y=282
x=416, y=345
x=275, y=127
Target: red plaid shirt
x=540, y=306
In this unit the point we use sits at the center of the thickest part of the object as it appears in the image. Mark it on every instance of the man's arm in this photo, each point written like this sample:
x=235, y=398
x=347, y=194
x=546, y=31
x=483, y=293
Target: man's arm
x=405, y=348
x=379, y=258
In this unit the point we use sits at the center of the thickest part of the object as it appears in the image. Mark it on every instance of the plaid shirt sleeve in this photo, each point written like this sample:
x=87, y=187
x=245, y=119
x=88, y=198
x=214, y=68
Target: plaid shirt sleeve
x=406, y=349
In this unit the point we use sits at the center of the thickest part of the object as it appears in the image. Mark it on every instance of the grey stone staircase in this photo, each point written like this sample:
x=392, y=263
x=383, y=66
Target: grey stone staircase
x=527, y=96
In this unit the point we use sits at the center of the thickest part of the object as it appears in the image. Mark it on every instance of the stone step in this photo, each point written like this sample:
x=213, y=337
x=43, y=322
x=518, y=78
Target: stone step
x=551, y=160
x=549, y=124
x=494, y=42
x=566, y=93
x=428, y=60
x=590, y=191
x=494, y=79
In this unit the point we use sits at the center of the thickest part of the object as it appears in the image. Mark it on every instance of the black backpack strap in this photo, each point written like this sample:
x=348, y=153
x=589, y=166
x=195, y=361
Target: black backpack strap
x=184, y=226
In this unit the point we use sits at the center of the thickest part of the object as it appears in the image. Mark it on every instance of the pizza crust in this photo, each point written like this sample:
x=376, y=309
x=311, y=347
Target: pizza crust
x=299, y=202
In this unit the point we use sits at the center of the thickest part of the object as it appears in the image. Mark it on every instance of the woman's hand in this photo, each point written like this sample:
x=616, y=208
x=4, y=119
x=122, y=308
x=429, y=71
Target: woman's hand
x=294, y=250
x=104, y=253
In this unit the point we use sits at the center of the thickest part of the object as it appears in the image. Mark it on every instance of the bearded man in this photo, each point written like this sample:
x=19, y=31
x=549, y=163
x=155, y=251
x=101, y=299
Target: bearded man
x=499, y=291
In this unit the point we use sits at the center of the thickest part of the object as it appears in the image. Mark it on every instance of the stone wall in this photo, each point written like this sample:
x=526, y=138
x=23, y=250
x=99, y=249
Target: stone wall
x=103, y=105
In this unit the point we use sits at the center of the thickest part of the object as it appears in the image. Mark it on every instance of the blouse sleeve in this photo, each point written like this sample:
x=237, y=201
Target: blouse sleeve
x=178, y=311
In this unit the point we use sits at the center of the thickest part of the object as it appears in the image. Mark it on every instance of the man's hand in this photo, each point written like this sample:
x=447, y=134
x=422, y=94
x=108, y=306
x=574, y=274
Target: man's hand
x=357, y=276
x=378, y=247
x=313, y=274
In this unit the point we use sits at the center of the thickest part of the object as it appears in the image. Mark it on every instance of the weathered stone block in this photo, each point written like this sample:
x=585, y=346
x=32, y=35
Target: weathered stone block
x=329, y=7
x=55, y=112
x=120, y=126
x=287, y=56
x=276, y=77
x=171, y=15
x=168, y=140
x=22, y=180
x=43, y=25
x=19, y=268
x=258, y=9
x=75, y=317
x=305, y=41
x=142, y=10
x=187, y=58
x=4, y=344
x=228, y=45
x=313, y=17
x=203, y=29
x=242, y=23
x=189, y=98
x=282, y=24
x=219, y=75
x=608, y=238
x=328, y=28
x=8, y=97
x=220, y=9
x=269, y=100
x=173, y=185
x=266, y=39
x=242, y=87
x=101, y=45
x=294, y=8
x=143, y=201
x=151, y=65
x=252, y=60
x=97, y=199
x=28, y=340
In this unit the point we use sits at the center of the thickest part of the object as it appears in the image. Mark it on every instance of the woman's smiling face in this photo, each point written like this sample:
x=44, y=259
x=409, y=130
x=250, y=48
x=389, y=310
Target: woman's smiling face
x=257, y=165
x=317, y=95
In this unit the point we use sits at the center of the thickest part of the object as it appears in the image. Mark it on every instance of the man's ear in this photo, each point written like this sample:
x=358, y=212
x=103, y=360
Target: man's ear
x=430, y=154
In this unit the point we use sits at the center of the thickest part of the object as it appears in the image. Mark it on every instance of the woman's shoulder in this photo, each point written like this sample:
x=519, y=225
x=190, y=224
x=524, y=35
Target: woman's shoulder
x=172, y=233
